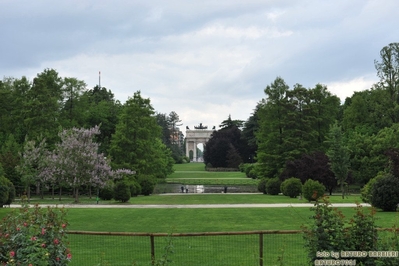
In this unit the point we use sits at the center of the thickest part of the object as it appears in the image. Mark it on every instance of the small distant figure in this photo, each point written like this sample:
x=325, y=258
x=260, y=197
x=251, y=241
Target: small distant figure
x=186, y=188
x=187, y=127
x=182, y=189
x=213, y=127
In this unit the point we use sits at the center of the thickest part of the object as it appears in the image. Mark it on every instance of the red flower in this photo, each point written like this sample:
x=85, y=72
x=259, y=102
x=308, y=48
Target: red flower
x=43, y=245
x=69, y=256
x=33, y=238
x=25, y=224
x=56, y=241
x=57, y=259
x=43, y=231
x=64, y=225
x=12, y=254
x=18, y=228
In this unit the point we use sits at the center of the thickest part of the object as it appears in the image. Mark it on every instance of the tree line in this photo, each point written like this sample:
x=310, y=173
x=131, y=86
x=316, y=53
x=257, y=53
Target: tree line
x=42, y=115
x=298, y=131
x=309, y=133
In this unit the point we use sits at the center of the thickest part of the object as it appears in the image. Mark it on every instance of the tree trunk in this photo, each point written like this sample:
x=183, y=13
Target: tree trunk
x=342, y=189
x=76, y=195
x=60, y=193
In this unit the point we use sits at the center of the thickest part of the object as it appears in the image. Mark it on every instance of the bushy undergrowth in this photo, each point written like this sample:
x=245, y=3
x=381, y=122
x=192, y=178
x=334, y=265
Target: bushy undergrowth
x=262, y=185
x=34, y=236
x=329, y=232
x=385, y=193
x=291, y=187
x=313, y=190
x=273, y=186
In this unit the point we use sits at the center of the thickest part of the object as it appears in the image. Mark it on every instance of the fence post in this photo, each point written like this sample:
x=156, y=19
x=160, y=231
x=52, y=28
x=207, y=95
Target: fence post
x=152, y=249
x=260, y=249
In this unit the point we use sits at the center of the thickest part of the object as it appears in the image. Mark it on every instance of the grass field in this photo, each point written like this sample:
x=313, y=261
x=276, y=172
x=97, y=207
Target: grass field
x=221, y=250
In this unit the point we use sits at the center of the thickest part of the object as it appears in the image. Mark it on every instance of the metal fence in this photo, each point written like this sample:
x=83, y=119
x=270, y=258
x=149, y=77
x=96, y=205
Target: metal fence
x=266, y=248
x=216, y=248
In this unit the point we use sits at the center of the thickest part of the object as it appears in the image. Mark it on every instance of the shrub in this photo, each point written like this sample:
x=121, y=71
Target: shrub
x=328, y=233
x=385, y=193
x=34, y=236
x=147, y=184
x=262, y=185
x=135, y=188
x=273, y=186
x=4, y=191
x=313, y=190
x=367, y=189
x=291, y=187
x=248, y=169
x=106, y=193
x=122, y=191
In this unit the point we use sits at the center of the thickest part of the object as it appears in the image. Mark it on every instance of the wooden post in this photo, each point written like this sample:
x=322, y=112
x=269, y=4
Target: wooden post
x=260, y=249
x=152, y=249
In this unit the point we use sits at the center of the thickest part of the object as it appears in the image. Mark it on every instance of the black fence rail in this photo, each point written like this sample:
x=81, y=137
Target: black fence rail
x=268, y=248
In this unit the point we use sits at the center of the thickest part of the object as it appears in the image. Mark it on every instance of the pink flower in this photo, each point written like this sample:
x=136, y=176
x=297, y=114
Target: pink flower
x=33, y=238
x=43, y=245
x=64, y=225
x=30, y=264
x=69, y=256
x=12, y=254
x=57, y=259
x=25, y=224
x=18, y=229
x=56, y=241
x=43, y=231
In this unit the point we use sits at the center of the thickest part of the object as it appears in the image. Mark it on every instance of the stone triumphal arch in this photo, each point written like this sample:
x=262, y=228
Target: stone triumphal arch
x=200, y=134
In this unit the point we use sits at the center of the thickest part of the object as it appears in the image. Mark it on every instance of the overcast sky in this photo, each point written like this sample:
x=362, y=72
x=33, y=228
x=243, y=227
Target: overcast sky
x=202, y=59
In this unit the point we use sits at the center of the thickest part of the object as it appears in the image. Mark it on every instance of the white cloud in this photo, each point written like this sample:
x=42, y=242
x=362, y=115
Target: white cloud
x=344, y=89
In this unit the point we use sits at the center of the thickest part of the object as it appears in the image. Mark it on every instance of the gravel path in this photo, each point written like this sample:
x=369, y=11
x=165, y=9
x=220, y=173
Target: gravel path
x=197, y=206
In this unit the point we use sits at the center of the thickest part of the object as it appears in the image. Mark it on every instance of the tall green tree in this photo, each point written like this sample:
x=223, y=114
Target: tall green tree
x=43, y=102
x=338, y=154
x=135, y=143
x=249, y=131
x=271, y=132
x=292, y=123
x=229, y=123
x=100, y=108
x=72, y=112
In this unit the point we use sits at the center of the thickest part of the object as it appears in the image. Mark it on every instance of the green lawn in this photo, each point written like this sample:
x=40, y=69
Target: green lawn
x=173, y=199
x=215, y=250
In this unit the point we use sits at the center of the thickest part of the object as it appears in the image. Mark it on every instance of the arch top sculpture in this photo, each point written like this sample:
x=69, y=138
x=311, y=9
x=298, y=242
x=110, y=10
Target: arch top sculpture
x=201, y=126
x=200, y=134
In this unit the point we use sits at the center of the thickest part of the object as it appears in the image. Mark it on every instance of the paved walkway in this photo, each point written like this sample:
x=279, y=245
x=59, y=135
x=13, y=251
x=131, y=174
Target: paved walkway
x=197, y=206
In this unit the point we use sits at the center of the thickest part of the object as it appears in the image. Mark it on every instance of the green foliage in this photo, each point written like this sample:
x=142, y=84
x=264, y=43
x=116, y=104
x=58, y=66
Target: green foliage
x=366, y=191
x=137, y=143
x=328, y=233
x=107, y=192
x=273, y=186
x=135, y=188
x=291, y=187
x=122, y=191
x=147, y=184
x=34, y=236
x=385, y=193
x=291, y=123
x=262, y=185
x=4, y=191
x=313, y=190
x=339, y=156
x=11, y=192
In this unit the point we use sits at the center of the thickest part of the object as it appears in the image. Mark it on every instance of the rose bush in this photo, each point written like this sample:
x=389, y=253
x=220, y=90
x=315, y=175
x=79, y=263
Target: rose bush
x=34, y=236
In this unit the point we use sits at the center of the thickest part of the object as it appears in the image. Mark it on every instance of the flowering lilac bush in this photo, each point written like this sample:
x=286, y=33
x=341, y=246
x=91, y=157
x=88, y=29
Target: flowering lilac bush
x=34, y=236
